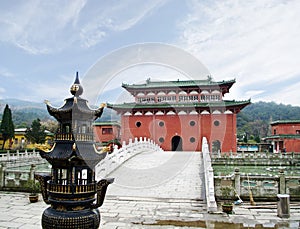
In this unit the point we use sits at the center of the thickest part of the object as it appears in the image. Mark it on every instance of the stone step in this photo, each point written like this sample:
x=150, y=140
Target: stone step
x=149, y=211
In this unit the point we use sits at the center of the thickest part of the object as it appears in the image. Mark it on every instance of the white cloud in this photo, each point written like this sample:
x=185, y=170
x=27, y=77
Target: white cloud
x=2, y=90
x=113, y=17
x=40, y=27
x=254, y=93
x=284, y=94
x=5, y=73
x=255, y=41
x=52, y=91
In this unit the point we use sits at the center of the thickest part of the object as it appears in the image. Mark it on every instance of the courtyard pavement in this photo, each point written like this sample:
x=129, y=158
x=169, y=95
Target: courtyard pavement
x=138, y=212
x=155, y=192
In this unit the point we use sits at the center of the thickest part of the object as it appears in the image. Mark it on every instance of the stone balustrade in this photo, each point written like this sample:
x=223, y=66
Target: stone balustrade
x=17, y=155
x=262, y=187
x=113, y=160
x=15, y=179
x=208, y=187
x=255, y=158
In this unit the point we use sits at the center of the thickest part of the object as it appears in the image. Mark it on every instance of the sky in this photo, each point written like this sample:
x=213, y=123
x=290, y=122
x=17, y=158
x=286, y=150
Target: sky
x=44, y=43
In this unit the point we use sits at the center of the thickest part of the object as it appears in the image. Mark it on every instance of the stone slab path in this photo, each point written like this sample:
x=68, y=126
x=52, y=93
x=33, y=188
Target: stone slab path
x=159, y=175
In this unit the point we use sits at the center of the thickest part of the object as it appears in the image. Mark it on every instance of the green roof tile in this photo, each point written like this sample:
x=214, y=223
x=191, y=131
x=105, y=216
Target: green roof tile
x=280, y=136
x=178, y=83
x=285, y=122
x=224, y=103
x=104, y=123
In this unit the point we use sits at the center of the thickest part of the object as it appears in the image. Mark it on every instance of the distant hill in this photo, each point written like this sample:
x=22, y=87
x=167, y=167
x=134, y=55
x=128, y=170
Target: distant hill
x=24, y=112
x=255, y=119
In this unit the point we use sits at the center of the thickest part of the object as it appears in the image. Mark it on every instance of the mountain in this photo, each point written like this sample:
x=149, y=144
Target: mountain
x=24, y=112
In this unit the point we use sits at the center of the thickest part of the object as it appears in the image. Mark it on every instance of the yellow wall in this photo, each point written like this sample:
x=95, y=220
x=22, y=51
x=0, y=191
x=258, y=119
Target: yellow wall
x=20, y=142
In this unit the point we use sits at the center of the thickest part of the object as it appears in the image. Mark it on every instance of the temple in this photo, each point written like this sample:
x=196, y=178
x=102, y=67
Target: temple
x=178, y=114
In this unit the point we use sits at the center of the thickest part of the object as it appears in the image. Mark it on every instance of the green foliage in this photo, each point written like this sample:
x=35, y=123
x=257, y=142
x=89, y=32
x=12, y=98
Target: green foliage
x=7, y=126
x=32, y=186
x=36, y=134
x=255, y=119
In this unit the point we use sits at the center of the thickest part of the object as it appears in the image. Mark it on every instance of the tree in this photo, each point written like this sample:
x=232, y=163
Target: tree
x=50, y=125
x=36, y=133
x=7, y=126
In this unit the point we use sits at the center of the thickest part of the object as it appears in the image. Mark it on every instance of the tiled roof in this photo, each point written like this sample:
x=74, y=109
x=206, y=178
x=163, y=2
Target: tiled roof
x=280, y=136
x=105, y=123
x=74, y=106
x=63, y=151
x=224, y=103
x=178, y=83
x=285, y=122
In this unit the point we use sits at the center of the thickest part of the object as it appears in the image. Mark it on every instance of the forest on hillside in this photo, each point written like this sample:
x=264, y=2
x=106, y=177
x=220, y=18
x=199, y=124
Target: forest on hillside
x=253, y=121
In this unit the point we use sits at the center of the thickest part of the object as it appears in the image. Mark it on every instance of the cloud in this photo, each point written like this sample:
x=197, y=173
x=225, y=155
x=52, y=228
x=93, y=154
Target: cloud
x=41, y=27
x=2, y=90
x=96, y=23
x=5, y=73
x=52, y=91
x=287, y=93
x=253, y=41
x=253, y=93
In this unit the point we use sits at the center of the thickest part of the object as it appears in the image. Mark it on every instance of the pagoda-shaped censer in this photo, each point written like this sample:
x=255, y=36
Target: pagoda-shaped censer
x=71, y=188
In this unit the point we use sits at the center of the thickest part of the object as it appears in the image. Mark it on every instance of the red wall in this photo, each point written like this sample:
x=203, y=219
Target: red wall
x=289, y=128
x=292, y=145
x=179, y=125
x=99, y=137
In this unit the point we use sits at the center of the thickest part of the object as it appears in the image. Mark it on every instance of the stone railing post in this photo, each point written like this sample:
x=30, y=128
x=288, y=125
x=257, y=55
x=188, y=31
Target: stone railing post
x=281, y=182
x=208, y=178
x=2, y=174
x=237, y=181
x=31, y=175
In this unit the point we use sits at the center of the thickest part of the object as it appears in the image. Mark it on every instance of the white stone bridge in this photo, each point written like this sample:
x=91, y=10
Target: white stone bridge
x=143, y=170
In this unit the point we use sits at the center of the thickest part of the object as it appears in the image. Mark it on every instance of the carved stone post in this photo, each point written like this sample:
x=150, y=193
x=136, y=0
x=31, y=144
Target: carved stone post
x=281, y=182
x=31, y=175
x=237, y=181
x=2, y=174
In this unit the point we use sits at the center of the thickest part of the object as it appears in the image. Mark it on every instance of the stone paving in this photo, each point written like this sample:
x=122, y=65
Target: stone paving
x=151, y=213
x=155, y=193
x=159, y=175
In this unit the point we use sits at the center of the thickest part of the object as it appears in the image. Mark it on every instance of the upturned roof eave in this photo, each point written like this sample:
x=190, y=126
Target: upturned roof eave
x=70, y=106
x=82, y=152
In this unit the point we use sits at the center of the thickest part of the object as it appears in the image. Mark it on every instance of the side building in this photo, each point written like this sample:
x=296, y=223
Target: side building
x=285, y=136
x=107, y=132
x=178, y=114
x=20, y=142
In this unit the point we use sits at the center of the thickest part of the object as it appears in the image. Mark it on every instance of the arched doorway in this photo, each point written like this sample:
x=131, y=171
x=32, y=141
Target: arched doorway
x=216, y=146
x=176, y=143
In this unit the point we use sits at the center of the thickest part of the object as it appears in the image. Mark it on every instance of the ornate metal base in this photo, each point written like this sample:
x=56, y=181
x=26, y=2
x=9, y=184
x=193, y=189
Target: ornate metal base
x=85, y=219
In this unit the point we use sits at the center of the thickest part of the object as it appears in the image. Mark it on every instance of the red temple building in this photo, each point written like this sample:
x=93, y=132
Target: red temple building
x=106, y=131
x=285, y=136
x=178, y=114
